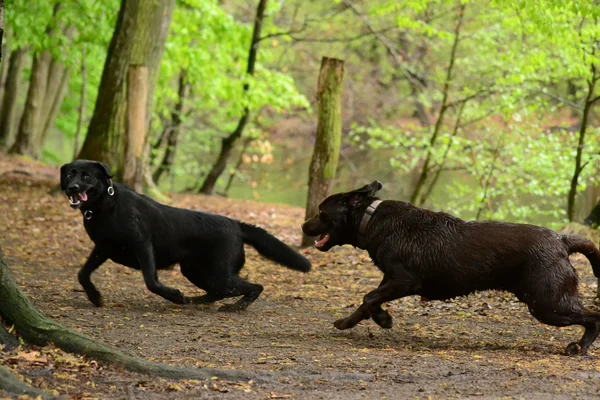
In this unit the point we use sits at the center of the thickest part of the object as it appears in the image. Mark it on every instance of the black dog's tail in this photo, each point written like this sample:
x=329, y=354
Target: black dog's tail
x=577, y=244
x=273, y=249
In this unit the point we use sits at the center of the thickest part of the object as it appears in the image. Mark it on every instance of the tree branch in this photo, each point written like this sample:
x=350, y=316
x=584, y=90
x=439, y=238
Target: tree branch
x=390, y=49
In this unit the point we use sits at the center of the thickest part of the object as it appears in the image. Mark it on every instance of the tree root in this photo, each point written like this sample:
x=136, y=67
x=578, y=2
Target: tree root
x=14, y=386
x=35, y=328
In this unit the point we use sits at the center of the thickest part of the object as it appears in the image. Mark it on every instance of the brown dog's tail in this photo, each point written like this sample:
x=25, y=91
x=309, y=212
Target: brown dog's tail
x=577, y=244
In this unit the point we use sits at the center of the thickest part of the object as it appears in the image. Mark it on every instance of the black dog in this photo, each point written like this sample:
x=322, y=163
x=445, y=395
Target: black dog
x=438, y=256
x=140, y=233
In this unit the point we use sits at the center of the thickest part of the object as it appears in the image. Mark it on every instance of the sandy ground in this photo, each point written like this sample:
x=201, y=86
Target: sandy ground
x=485, y=345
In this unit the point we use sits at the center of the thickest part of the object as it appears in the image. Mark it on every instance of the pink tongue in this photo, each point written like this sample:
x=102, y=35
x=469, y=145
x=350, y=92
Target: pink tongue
x=83, y=196
x=322, y=241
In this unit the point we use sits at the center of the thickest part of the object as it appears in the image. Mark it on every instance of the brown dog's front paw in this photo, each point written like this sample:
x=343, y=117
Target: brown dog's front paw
x=383, y=319
x=343, y=323
x=574, y=349
x=96, y=298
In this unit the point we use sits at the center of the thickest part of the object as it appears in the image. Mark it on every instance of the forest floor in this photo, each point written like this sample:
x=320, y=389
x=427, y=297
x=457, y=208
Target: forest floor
x=484, y=346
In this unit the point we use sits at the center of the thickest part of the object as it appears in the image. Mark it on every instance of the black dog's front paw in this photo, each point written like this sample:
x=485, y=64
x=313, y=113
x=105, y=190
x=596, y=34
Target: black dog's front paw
x=383, y=319
x=344, y=323
x=574, y=349
x=95, y=297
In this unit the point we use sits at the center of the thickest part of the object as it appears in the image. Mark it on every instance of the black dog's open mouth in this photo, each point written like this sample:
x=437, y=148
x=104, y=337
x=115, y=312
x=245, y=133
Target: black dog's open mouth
x=76, y=199
x=324, y=238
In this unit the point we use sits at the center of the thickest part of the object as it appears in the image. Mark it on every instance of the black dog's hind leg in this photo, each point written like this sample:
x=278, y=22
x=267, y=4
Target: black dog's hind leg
x=357, y=316
x=95, y=260
x=145, y=259
x=208, y=298
x=238, y=286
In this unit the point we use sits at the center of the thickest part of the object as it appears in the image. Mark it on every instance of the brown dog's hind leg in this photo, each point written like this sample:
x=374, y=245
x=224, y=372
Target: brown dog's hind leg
x=357, y=316
x=555, y=301
x=592, y=329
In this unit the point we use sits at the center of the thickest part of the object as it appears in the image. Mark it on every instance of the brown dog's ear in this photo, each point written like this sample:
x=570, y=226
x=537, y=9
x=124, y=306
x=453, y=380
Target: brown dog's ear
x=371, y=188
x=366, y=191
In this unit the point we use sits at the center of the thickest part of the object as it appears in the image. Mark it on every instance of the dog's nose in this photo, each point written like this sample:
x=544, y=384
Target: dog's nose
x=73, y=188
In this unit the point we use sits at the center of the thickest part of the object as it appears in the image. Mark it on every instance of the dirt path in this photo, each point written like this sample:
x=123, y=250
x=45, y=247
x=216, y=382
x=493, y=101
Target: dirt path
x=481, y=346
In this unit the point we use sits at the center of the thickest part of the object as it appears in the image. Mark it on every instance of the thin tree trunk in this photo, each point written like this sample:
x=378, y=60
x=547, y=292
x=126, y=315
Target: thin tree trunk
x=58, y=83
x=82, y=101
x=237, y=167
x=589, y=102
x=137, y=96
x=173, y=136
x=105, y=140
x=8, y=118
x=228, y=142
x=54, y=111
x=326, y=153
x=415, y=196
x=29, y=126
x=438, y=172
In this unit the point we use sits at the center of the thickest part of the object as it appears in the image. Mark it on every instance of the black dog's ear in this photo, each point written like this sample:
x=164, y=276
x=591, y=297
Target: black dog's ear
x=63, y=179
x=105, y=170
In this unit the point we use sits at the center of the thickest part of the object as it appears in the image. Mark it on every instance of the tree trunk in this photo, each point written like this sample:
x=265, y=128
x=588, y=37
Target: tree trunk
x=593, y=220
x=228, y=142
x=137, y=96
x=325, y=156
x=589, y=102
x=82, y=101
x=105, y=140
x=237, y=167
x=154, y=20
x=30, y=125
x=55, y=106
x=3, y=74
x=8, y=118
x=58, y=83
x=173, y=134
x=139, y=39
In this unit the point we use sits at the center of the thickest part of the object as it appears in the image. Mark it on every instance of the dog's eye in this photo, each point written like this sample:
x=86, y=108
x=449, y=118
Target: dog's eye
x=86, y=177
x=69, y=176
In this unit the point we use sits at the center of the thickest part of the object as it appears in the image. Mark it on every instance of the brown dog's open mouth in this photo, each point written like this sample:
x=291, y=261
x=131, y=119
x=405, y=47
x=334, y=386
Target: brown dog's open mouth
x=322, y=240
x=76, y=200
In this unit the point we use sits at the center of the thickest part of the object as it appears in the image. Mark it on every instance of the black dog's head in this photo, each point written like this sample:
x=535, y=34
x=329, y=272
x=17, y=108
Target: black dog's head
x=339, y=217
x=85, y=182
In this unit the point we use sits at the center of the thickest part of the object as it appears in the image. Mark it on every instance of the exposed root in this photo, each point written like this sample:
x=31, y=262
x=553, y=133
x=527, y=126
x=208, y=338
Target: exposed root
x=14, y=386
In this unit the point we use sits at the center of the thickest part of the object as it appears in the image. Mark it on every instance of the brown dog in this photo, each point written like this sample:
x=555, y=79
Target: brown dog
x=438, y=256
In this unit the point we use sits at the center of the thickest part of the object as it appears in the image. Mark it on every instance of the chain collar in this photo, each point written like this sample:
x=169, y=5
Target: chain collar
x=88, y=214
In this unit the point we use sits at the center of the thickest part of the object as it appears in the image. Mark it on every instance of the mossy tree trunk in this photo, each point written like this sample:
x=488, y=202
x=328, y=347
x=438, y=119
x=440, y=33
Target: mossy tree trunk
x=326, y=153
x=139, y=39
x=105, y=140
x=208, y=186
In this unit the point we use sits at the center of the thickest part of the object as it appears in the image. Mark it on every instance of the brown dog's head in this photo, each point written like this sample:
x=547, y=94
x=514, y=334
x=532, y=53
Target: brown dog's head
x=85, y=182
x=339, y=217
